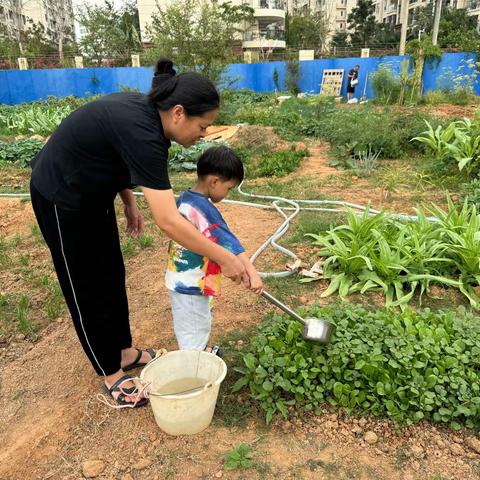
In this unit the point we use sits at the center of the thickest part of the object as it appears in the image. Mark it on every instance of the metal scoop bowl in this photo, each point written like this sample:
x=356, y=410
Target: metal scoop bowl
x=314, y=329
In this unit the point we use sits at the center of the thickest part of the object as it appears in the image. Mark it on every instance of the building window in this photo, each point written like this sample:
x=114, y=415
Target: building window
x=341, y=26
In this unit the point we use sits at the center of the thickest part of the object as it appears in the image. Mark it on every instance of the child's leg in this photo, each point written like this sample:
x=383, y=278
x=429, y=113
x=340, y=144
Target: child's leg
x=192, y=320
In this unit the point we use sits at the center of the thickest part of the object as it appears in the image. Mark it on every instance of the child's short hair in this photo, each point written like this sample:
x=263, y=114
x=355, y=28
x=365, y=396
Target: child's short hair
x=221, y=161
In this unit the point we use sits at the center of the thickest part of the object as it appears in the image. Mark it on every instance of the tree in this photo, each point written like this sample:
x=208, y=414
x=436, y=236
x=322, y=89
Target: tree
x=307, y=30
x=112, y=34
x=361, y=21
x=340, y=39
x=422, y=21
x=198, y=35
x=384, y=34
x=459, y=30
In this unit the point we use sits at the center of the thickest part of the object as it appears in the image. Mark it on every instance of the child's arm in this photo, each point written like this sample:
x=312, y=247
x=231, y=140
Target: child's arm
x=256, y=284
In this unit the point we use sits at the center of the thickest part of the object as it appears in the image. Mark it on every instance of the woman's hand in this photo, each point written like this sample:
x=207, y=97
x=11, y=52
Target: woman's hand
x=135, y=220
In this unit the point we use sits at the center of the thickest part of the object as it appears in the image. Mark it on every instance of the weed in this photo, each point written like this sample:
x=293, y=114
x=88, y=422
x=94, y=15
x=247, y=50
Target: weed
x=145, y=241
x=24, y=260
x=262, y=468
x=307, y=222
x=3, y=300
x=239, y=458
x=128, y=248
x=24, y=324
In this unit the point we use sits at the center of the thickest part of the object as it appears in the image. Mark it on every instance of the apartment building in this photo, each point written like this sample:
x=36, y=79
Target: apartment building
x=336, y=11
x=388, y=11
x=56, y=16
x=268, y=30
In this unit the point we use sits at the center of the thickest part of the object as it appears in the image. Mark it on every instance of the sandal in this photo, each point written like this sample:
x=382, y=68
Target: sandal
x=123, y=392
x=215, y=350
x=136, y=363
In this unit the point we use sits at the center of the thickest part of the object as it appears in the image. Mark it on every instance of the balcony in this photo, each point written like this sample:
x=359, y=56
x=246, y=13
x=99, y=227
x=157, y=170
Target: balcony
x=270, y=10
x=264, y=38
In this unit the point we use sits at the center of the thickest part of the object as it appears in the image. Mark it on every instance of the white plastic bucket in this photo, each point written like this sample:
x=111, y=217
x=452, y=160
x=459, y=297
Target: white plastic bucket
x=190, y=412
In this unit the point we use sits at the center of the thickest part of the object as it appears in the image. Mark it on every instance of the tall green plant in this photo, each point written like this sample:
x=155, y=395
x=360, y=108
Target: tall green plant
x=380, y=253
x=293, y=76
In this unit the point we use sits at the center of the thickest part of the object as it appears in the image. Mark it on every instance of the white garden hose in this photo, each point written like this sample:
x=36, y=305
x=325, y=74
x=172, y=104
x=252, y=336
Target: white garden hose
x=293, y=207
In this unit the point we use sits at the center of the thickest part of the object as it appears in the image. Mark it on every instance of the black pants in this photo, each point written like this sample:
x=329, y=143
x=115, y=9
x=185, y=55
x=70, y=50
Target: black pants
x=85, y=249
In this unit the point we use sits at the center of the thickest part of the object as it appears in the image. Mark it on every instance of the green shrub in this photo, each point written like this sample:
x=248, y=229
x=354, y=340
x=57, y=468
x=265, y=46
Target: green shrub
x=279, y=164
x=385, y=85
x=407, y=366
x=454, y=97
x=471, y=192
x=19, y=153
x=234, y=101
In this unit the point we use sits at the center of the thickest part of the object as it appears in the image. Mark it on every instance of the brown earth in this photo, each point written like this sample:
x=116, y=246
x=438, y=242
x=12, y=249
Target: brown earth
x=51, y=422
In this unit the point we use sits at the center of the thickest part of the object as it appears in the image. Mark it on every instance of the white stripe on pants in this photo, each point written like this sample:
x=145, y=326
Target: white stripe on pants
x=192, y=320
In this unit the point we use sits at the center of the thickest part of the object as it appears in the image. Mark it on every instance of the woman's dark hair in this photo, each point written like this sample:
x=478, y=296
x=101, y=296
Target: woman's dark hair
x=194, y=92
x=221, y=161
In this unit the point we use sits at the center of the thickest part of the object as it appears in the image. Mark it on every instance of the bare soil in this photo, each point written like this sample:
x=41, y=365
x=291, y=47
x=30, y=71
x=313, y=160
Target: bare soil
x=51, y=423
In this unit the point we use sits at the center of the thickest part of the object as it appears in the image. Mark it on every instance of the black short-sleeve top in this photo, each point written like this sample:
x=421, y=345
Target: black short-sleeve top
x=103, y=147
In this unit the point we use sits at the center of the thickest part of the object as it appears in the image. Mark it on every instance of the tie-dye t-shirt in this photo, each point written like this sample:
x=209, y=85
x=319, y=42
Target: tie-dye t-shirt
x=187, y=272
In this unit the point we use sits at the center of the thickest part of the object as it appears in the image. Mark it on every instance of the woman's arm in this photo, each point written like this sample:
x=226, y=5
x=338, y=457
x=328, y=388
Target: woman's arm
x=165, y=214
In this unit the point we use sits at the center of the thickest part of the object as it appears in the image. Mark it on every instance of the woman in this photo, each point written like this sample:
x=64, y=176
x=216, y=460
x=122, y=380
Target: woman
x=352, y=81
x=106, y=147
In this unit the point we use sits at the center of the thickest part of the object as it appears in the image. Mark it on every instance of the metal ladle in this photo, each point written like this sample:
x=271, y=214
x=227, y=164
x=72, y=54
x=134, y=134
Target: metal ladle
x=314, y=329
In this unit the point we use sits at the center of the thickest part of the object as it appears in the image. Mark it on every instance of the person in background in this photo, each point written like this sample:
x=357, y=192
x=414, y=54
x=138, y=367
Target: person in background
x=352, y=82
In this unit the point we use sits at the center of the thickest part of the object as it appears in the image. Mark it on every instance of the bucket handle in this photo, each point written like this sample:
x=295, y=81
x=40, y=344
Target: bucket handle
x=206, y=387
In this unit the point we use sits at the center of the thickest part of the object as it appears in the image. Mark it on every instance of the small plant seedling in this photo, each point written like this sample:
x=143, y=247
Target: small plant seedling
x=145, y=241
x=128, y=248
x=239, y=458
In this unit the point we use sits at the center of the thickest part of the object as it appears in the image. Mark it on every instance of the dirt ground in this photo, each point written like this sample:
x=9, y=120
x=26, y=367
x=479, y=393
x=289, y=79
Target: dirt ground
x=53, y=427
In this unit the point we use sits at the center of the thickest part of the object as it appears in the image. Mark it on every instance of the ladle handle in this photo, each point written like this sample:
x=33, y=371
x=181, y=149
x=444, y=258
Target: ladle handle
x=283, y=307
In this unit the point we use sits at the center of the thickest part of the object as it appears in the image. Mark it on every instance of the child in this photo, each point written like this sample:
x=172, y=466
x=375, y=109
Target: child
x=194, y=280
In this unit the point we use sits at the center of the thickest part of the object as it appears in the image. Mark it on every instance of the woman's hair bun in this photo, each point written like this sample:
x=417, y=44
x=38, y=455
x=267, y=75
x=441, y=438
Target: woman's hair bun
x=164, y=66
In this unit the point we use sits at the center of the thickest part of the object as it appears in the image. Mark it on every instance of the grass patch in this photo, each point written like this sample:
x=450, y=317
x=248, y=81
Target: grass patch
x=308, y=222
x=24, y=325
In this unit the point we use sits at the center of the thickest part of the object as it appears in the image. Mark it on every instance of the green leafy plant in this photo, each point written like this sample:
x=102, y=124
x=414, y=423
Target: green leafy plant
x=279, y=164
x=19, y=153
x=385, y=85
x=36, y=119
x=460, y=140
x=408, y=366
x=239, y=458
x=181, y=158
x=437, y=140
x=380, y=253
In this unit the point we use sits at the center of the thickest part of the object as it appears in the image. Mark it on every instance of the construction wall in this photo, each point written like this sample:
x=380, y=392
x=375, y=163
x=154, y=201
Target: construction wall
x=18, y=86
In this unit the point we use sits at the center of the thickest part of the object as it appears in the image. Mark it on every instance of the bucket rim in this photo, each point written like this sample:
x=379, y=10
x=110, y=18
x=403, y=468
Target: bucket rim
x=208, y=385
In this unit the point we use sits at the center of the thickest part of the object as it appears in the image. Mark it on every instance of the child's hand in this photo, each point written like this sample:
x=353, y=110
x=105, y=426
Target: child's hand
x=256, y=284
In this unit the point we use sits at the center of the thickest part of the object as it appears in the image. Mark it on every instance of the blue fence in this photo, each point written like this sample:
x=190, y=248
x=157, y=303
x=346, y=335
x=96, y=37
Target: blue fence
x=18, y=86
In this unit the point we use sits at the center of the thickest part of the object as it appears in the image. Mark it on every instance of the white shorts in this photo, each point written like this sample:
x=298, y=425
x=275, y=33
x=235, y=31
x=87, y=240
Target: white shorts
x=192, y=320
